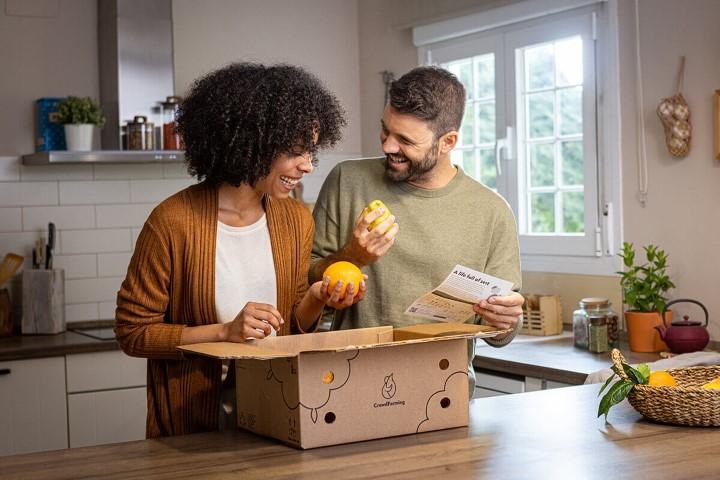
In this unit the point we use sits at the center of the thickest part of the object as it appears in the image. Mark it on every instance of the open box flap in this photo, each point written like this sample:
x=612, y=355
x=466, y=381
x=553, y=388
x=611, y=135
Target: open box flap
x=339, y=341
x=291, y=345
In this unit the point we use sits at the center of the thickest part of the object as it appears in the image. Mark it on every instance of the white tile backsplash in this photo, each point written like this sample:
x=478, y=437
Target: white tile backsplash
x=113, y=264
x=128, y=172
x=92, y=289
x=98, y=210
x=21, y=194
x=9, y=169
x=77, y=266
x=64, y=218
x=107, y=309
x=93, y=193
x=29, y=173
x=80, y=312
x=144, y=191
x=134, y=215
x=95, y=241
x=10, y=220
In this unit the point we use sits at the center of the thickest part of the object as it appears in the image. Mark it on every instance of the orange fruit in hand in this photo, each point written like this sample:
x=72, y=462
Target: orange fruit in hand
x=661, y=378
x=374, y=205
x=345, y=271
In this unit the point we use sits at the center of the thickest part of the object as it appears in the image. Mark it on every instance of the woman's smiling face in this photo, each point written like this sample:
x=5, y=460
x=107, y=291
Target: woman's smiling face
x=286, y=171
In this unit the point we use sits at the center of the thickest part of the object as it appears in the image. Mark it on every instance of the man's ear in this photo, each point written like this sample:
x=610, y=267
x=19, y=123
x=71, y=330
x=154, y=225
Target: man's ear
x=448, y=141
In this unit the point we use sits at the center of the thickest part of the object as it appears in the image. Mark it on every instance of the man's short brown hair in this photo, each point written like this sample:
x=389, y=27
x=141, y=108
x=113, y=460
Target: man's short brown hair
x=432, y=94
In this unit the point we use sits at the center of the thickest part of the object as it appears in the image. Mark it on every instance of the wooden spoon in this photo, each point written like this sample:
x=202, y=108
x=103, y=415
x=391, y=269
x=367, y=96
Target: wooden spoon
x=9, y=266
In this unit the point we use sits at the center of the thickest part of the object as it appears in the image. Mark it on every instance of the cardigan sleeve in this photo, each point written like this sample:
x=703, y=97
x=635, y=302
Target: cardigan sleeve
x=143, y=300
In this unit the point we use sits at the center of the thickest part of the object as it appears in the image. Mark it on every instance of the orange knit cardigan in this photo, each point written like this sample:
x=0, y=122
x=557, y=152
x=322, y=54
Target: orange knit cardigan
x=170, y=284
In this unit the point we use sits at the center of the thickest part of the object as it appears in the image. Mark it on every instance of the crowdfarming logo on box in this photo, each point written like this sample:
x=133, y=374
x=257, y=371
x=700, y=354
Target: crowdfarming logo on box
x=49, y=133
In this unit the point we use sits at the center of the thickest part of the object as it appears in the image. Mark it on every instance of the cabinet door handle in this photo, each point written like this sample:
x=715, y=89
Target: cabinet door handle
x=5, y=371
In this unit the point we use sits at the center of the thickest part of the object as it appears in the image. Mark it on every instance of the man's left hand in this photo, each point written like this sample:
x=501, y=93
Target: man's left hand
x=501, y=312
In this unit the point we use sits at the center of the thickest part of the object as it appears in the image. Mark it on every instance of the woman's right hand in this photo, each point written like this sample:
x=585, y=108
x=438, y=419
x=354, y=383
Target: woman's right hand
x=254, y=321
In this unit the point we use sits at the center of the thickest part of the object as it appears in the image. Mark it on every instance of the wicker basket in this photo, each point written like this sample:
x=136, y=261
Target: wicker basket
x=687, y=404
x=542, y=315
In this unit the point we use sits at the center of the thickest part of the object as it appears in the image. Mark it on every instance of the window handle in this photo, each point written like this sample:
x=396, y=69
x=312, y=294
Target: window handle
x=504, y=145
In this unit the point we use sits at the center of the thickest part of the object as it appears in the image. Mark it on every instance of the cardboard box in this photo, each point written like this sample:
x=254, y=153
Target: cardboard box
x=345, y=386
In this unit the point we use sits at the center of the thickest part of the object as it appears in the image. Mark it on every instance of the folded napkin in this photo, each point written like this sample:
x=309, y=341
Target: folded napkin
x=677, y=361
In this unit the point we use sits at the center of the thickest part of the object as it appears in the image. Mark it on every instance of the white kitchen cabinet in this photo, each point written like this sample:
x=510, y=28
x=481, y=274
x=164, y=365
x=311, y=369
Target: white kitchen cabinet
x=108, y=416
x=33, y=409
x=107, y=400
x=490, y=384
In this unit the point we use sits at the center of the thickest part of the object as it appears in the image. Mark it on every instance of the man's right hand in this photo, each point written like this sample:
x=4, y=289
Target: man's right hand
x=366, y=246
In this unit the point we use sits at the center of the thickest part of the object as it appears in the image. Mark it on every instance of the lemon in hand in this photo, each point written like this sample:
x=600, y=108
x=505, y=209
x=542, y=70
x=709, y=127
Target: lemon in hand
x=374, y=205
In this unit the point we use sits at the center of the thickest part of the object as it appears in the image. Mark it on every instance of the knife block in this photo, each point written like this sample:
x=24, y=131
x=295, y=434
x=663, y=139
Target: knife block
x=43, y=301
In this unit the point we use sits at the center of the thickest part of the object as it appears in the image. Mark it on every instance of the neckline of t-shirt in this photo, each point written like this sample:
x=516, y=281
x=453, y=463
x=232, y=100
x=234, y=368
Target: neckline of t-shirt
x=434, y=192
x=244, y=230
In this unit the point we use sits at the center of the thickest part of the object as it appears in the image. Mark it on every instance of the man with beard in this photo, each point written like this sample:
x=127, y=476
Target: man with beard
x=447, y=217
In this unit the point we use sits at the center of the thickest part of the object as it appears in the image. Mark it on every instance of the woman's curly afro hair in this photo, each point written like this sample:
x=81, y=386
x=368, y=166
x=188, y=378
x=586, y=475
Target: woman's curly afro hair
x=236, y=120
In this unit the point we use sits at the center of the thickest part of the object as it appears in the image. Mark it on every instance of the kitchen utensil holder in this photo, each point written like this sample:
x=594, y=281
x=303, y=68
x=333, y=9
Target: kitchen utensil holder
x=43, y=301
x=686, y=404
x=542, y=315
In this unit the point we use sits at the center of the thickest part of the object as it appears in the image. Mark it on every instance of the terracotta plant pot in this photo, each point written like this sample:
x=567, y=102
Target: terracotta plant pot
x=642, y=335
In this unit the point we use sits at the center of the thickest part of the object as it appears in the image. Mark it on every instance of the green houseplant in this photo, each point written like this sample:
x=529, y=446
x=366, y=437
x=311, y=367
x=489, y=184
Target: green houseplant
x=645, y=286
x=80, y=115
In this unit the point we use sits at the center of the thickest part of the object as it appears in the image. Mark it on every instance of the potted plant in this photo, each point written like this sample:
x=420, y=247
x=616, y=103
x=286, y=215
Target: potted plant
x=79, y=115
x=644, y=289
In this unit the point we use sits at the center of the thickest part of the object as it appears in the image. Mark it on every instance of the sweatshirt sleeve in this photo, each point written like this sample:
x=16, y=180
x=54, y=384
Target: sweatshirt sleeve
x=143, y=300
x=327, y=229
x=504, y=261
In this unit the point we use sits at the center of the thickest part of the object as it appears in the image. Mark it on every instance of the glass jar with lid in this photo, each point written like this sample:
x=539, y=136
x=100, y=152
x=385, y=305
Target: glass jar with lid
x=594, y=307
x=140, y=134
x=171, y=138
x=598, y=335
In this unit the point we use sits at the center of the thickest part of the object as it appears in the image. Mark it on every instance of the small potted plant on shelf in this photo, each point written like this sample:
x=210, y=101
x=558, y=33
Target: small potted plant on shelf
x=80, y=115
x=644, y=291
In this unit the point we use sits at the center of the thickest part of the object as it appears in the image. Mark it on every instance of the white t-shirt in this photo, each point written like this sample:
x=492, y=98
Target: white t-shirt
x=244, y=269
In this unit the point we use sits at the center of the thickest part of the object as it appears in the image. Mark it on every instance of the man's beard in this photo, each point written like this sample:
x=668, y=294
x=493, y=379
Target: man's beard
x=417, y=169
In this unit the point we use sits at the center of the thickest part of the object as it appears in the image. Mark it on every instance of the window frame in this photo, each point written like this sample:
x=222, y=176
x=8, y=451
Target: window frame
x=453, y=39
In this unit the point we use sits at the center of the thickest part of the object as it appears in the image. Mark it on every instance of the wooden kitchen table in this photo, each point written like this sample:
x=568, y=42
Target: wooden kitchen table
x=551, y=434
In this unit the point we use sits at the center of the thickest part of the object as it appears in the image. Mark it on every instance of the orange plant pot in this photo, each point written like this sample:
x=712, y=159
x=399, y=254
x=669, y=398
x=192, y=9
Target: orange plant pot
x=642, y=335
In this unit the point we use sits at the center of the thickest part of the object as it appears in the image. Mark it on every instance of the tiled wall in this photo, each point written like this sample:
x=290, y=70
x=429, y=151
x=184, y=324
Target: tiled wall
x=98, y=211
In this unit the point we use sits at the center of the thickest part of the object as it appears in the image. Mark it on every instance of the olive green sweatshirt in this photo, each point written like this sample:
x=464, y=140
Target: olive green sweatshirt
x=462, y=223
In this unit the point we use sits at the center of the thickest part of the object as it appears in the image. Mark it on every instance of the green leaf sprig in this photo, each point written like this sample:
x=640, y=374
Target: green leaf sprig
x=621, y=388
x=78, y=110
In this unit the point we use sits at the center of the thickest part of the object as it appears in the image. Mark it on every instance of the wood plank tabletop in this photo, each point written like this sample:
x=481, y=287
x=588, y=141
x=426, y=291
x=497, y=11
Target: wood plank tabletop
x=550, y=434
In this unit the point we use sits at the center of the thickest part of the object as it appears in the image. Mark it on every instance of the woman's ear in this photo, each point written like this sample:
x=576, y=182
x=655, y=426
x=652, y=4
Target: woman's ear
x=448, y=141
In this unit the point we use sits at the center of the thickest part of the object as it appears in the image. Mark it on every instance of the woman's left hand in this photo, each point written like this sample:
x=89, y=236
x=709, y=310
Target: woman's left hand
x=501, y=312
x=319, y=290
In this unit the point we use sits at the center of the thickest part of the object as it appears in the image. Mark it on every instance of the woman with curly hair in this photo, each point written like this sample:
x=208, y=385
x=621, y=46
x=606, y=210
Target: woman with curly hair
x=227, y=259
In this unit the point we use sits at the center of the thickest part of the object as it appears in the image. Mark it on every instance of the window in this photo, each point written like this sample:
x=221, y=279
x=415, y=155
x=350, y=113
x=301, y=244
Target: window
x=530, y=130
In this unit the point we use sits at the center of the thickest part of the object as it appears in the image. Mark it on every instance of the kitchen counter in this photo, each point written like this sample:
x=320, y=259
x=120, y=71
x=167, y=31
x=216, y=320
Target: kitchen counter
x=545, y=434
x=550, y=358
x=21, y=347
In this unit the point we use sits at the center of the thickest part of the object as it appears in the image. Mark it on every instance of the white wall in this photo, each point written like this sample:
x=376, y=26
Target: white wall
x=681, y=214
x=320, y=35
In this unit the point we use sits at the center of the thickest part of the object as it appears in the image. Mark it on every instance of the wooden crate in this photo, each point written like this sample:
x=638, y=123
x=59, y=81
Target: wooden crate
x=542, y=315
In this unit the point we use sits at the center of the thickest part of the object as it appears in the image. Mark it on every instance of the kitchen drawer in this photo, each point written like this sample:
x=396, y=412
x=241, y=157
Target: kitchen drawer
x=499, y=382
x=111, y=416
x=33, y=416
x=87, y=372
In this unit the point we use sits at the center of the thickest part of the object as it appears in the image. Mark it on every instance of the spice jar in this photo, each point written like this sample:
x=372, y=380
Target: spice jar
x=171, y=138
x=140, y=134
x=594, y=307
x=598, y=335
